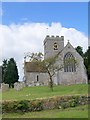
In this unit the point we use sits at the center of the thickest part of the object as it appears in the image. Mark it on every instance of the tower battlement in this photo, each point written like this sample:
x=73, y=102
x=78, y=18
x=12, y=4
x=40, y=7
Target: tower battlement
x=57, y=36
x=52, y=36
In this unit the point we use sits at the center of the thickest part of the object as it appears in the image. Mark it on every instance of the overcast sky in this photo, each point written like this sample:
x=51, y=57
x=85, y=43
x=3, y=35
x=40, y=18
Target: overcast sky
x=25, y=25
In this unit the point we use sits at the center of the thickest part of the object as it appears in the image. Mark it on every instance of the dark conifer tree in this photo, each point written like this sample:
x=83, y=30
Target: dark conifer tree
x=87, y=61
x=79, y=49
x=11, y=73
x=4, y=66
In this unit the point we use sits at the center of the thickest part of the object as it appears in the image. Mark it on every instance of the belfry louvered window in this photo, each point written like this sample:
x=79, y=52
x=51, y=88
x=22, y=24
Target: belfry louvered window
x=69, y=63
x=55, y=46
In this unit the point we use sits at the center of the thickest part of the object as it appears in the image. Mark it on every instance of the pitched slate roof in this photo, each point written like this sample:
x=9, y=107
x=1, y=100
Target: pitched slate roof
x=34, y=67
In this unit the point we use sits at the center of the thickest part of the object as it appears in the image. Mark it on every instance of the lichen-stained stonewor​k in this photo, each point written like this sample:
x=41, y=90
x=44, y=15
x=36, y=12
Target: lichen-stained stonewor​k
x=73, y=70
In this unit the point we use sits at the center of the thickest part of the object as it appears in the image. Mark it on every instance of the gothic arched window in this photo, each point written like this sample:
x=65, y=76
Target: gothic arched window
x=69, y=63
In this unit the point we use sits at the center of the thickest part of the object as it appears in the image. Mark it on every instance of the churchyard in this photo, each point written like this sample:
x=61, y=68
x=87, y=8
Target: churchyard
x=38, y=96
x=35, y=92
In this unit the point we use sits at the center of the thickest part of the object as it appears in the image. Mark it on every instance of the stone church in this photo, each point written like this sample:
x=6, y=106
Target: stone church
x=70, y=72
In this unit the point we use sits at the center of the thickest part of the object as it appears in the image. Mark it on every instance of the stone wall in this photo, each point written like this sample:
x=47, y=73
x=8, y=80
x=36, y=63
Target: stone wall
x=36, y=79
x=68, y=78
x=49, y=41
x=59, y=102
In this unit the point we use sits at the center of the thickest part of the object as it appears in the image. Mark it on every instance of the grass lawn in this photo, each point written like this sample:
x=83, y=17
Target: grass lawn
x=77, y=112
x=44, y=91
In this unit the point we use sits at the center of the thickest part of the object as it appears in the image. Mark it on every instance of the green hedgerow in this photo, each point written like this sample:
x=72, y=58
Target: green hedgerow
x=36, y=106
x=22, y=106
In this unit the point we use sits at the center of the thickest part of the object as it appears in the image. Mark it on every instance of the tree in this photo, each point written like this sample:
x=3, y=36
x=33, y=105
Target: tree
x=86, y=57
x=87, y=61
x=4, y=66
x=51, y=68
x=79, y=49
x=11, y=73
x=33, y=56
x=47, y=65
x=0, y=75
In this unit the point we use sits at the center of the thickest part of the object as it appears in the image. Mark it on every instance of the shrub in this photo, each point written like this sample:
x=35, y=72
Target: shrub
x=36, y=106
x=21, y=106
x=74, y=101
x=48, y=103
x=8, y=106
x=64, y=105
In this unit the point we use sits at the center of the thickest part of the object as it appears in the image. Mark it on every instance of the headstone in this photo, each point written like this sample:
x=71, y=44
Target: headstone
x=19, y=86
x=37, y=84
x=4, y=87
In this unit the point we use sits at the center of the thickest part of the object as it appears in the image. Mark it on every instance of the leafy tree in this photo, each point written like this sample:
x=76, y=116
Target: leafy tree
x=11, y=73
x=34, y=56
x=46, y=65
x=79, y=49
x=51, y=68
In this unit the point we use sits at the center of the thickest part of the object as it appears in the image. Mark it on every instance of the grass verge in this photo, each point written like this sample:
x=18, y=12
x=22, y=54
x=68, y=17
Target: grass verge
x=77, y=112
x=28, y=93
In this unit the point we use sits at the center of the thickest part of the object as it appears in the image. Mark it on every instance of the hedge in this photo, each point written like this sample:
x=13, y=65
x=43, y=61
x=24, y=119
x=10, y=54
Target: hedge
x=42, y=104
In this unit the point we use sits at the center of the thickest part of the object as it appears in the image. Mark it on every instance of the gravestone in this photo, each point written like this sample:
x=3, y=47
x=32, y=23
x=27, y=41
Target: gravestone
x=4, y=87
x=19, y=85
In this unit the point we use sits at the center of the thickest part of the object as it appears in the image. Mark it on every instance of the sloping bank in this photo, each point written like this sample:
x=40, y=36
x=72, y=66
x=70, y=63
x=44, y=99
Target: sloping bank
x=60, y=102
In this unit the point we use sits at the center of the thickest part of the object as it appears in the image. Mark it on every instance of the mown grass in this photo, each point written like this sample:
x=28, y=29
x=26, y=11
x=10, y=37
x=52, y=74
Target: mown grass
x=28, y=93
x=77, y=112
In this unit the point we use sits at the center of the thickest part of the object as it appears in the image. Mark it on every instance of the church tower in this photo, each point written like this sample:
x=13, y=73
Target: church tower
x=53, y=45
